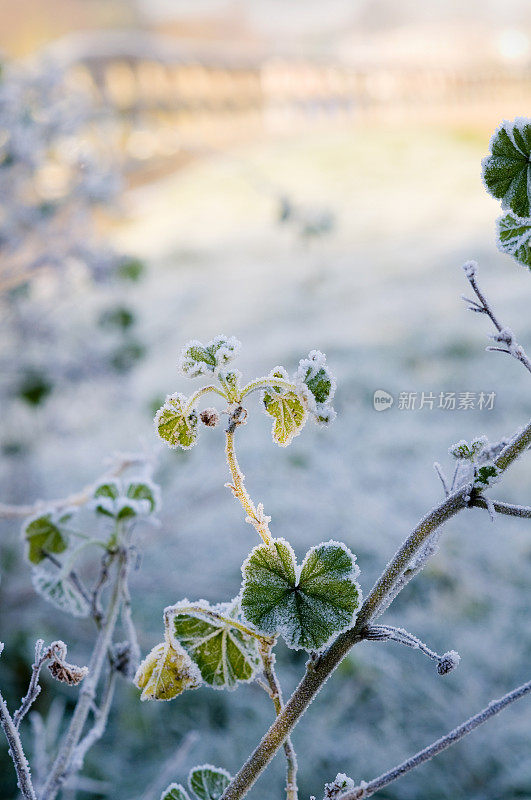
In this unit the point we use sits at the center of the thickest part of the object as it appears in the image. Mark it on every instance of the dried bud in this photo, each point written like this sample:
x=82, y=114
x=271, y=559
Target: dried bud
x=448, y=661
x=67, y=673
x=209, y=417
x=121, y=659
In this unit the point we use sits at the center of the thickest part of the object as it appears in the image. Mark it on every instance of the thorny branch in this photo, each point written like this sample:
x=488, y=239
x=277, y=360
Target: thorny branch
x=364, y=790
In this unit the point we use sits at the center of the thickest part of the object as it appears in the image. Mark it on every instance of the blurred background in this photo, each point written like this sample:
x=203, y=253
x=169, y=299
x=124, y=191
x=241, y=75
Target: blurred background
x=301, y=175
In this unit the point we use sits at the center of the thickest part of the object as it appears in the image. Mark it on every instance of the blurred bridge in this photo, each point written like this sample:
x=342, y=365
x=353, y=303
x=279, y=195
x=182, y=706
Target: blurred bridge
x=173, y=101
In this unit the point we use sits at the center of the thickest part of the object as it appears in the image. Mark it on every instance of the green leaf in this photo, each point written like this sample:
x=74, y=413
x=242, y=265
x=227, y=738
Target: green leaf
x=61, y=592
x=514, y=236
x=122, y=501
x=201, y=359
x=44, y=534
x=175, y=792
x=208, y=782
x=317, y=386
x=231, y=384
x=144, y=490
x=507, y=170
x=176, y=426
x=166, y=672
x=486, y=475
x=223, y=654
x=306, y=608
x=286, y=408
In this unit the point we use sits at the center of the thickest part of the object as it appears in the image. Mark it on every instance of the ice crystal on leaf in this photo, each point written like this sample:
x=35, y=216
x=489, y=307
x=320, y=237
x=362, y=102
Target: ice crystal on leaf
x=307, y=605
x=223, y=654
x=60, y=590
x=201, y=359
x=317, y=386
x=166, y=672
x=514, y=238
x=208, y=782
x=507, y=170
x=45, y=533
x=175, y=792
x=176, y=425
x=286, y=408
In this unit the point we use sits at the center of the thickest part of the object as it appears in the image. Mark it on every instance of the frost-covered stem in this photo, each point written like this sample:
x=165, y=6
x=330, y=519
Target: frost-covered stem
x=129, y=627
x=275, y=692
x=98, y=729
x=95, y=605
x=263, y=383
x=200, y=392
x=483, y=307
x=61, y=766
x=33, y=688
x=368, y=789
x=171, y=767
x=255, y=516
x=76, y=499
x=16, y=751
x=503, y=508
x=318, y=671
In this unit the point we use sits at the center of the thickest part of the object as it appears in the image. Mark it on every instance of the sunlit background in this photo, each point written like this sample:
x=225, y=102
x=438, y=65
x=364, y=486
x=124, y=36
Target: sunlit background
x=301, y=175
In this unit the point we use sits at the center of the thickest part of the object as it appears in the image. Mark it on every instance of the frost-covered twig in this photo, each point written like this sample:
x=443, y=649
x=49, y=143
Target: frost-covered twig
x=16, y=750
x=34, y=687
x=130, y=630
x=62, y=763
x=364, y=790
x=382, y=633
x=255, y=514
x=123, y=462
x=318, y=671
x=504, y=336
x=508, y=509
x=275, y=693
x=98, y=729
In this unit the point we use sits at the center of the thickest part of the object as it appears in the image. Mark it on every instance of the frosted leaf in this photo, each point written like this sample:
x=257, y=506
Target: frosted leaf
x=70, y=674
x=45, y=533
x=507, y=170
x=286, y=408
x=60, y=591
x=307, y=606
x=223, y=654
x=514, y=237
x=208, y=782
x=231, y=382
x=469, y=452
x=341, y=784
x=166, y=672
x=174, y=425
x=126, y=499
x=317, y=386
x=486, y=475
x=175, y=792
x=201, y=359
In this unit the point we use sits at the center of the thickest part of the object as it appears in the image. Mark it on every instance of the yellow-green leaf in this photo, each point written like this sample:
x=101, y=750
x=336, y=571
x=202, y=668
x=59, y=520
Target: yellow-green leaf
x=166, y=672
x=175, y=425
x=287, y=409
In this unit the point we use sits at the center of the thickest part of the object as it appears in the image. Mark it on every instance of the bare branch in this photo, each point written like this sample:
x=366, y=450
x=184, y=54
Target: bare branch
x=34, y=688
x=16, y=750
x=275, y=693
x=508, y=509
x=504, y=336
x=380, y=633
x=123, y=462
x=368, y=789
